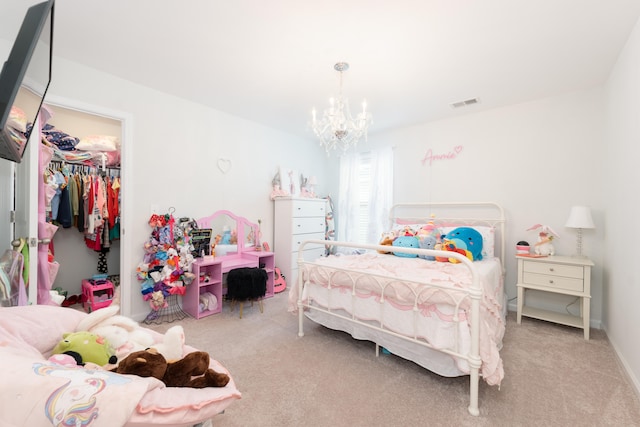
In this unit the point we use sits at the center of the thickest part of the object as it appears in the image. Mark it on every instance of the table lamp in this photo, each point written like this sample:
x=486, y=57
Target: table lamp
x=580, y=218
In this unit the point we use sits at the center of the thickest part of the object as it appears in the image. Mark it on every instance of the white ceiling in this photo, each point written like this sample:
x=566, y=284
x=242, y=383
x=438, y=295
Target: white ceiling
x=271, y=61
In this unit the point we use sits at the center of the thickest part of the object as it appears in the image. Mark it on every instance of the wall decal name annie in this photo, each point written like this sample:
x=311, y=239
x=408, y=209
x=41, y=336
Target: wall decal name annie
x=430, y=157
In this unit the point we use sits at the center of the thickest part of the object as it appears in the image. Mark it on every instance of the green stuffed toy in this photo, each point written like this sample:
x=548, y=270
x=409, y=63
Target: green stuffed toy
x=86, y=347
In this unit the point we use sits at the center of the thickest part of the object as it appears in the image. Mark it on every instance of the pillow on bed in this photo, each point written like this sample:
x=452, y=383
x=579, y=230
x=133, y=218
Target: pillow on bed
x=39, y=326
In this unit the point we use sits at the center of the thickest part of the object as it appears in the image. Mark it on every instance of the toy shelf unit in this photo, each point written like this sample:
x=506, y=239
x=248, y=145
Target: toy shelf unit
x=203, y=296
x=97, y=293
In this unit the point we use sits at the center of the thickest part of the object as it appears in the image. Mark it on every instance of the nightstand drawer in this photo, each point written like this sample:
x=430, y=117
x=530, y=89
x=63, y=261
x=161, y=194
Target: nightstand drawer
x=562, y=270
x=551, y=281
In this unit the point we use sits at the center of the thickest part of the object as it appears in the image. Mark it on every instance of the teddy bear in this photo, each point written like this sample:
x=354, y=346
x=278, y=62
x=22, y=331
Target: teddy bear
x=190, y=371
x=387, y=240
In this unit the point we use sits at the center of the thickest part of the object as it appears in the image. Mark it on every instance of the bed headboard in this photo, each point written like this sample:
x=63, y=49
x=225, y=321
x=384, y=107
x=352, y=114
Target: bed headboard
x=488, y=214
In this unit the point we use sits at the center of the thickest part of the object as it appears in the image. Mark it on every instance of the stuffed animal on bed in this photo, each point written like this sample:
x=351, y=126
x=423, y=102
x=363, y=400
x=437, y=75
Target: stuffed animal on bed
x=387, y=240
x=450, y=245
x=190, y=371
x=86, y=347
x=427, y=242
x=126, y=335
x=406, y=242
x=467, y=238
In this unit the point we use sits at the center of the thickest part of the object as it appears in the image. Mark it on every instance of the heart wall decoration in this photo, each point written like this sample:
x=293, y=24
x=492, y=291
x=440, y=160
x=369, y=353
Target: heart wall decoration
x=224, y=165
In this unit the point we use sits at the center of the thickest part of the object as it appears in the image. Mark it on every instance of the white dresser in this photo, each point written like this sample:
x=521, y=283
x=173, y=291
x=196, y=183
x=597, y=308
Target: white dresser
x=297, y=220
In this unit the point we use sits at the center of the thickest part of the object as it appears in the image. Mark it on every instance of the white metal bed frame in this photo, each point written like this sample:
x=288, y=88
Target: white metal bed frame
x=474, y=292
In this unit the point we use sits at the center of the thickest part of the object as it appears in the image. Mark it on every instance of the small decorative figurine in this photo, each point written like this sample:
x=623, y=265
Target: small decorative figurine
x=545, y=237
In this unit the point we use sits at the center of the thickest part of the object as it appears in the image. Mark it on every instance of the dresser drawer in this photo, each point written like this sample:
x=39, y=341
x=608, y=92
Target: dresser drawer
x=571, y=271
x=309, y=209
x=308, y=225
x=297, y=239
x=550, y=281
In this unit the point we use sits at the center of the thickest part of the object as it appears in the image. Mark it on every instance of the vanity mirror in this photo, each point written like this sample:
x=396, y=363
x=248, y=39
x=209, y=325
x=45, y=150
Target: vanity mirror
x=235, y=234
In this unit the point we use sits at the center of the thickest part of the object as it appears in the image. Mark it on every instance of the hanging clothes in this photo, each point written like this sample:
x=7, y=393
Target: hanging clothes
x=87, y=198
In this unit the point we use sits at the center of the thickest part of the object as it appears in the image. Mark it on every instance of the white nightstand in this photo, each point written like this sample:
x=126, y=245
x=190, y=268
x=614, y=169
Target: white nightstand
x=560, y=275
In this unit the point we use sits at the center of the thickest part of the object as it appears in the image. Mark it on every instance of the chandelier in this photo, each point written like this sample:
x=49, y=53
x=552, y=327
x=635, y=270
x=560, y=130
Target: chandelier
x=337, y=129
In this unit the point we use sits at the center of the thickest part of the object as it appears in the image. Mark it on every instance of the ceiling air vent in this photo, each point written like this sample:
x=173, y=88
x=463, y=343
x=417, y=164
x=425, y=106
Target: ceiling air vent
x=464, y=103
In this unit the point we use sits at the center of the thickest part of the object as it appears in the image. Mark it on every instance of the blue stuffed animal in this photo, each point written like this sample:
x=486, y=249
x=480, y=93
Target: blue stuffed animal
x=427, y=242
x=406, y=242
x=467, y=238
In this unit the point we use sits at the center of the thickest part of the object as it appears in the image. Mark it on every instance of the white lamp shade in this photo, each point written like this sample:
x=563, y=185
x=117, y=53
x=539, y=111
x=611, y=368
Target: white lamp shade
x=580, y=217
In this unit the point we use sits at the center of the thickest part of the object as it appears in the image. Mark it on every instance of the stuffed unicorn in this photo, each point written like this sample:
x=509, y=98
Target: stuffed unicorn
x=545, y=237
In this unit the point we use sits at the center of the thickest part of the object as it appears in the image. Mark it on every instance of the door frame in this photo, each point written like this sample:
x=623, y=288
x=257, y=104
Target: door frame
x=126, y=192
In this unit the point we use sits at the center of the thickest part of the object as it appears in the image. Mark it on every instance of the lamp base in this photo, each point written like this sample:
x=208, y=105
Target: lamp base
x=579, y=256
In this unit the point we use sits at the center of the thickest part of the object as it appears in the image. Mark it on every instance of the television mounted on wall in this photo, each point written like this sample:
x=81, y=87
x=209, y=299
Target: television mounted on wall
x=24, y=80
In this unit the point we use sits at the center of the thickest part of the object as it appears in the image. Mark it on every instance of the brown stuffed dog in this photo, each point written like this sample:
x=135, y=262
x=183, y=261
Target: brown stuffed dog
x=190, y=371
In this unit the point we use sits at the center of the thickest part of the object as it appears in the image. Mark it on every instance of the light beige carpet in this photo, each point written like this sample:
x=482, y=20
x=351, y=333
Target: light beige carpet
x=553, y=377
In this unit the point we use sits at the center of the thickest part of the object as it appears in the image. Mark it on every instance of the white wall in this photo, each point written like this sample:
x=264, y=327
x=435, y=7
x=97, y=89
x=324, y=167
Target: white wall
x=174, y=151
x=535, y=159
x=620, y=160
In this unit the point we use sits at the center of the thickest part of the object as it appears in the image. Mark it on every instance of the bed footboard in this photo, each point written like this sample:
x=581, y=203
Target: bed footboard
x=464, y=302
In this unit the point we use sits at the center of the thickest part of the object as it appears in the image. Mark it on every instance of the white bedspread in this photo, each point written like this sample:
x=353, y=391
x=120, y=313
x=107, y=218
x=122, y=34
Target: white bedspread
x=386, y=275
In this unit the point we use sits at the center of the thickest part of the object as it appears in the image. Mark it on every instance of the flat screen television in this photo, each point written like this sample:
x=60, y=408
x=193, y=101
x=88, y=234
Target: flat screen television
x=24, y=80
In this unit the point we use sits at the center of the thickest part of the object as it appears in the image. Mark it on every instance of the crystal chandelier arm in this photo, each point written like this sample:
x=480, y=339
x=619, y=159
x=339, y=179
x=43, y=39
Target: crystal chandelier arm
x=337, y=127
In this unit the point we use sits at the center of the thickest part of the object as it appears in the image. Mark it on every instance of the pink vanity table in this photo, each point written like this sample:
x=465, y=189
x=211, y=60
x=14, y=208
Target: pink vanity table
x=209, y=270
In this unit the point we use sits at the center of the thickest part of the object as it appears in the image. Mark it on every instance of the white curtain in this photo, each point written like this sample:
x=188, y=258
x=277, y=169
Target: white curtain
x=381, y=196
x=364, y=216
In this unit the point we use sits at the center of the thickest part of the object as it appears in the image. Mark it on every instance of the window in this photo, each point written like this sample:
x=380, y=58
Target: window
x=366, y=184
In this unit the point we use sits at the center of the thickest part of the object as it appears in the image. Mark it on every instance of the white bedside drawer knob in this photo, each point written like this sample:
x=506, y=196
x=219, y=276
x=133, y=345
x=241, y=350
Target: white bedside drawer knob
x=551, y=269
x=551, y=281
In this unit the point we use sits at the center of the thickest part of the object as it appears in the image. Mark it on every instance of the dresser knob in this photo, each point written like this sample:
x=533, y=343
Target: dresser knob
x=551, y=282
x=551, y=269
